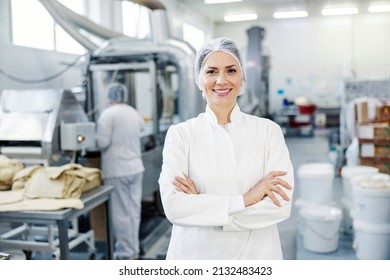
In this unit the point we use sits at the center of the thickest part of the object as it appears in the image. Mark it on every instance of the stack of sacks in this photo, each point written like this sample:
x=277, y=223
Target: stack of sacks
x=8, y=169
x=22, y=176
x=50, y=188
x=67, y=181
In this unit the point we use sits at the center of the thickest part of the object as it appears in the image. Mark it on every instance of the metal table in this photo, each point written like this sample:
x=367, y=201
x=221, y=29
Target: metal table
x=61, y=218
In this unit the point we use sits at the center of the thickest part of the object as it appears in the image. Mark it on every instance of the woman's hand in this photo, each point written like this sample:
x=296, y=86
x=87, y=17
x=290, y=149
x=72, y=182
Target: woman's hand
x=268, y=186
x=185, y=185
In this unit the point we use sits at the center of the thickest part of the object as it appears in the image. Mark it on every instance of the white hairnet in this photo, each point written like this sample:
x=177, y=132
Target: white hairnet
x=218, y=45
x=117, y=92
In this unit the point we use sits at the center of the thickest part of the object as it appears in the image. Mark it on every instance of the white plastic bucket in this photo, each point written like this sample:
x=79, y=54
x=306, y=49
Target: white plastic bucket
x=299, y=204
x=320, y=228
x=348, y=172
x=371, y=196
x=316, y=182
x=371, y=241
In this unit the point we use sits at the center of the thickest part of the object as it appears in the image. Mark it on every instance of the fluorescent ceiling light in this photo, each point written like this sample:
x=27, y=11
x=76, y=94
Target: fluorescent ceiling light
x=339, y=11
x=220, y=1
x=379, y=8
x=240, y=17
x=291, y=14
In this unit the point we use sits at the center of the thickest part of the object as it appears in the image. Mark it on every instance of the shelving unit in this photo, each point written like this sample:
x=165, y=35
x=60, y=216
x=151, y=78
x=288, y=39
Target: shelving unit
x=374, y=146
x=353, y=89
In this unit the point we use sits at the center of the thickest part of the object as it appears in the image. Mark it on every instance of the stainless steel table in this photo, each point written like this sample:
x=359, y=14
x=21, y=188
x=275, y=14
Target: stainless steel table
x=61, y=218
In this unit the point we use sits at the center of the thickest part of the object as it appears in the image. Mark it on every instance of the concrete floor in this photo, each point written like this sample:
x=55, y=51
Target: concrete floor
x=308, y=150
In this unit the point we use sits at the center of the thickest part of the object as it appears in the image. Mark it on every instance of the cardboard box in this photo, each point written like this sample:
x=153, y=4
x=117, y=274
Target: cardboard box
x=382, y=164
x=361, y=113
x=373, y=132
x=375, y=150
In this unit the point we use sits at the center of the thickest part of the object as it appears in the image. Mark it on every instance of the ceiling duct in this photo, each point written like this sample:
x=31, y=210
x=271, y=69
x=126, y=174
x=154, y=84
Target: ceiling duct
x=73, y=23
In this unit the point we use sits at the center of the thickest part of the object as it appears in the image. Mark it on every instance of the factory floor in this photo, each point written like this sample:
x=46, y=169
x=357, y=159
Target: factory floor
x=155, y=229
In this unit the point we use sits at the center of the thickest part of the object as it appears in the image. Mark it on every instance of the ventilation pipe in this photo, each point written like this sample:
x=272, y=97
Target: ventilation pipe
x=72, y=22
x=254, y=100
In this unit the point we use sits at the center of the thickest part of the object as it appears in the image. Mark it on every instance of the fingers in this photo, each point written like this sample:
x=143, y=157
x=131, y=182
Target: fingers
x=273, y=185
x=272, y=177
x=185, y=185
x=276, y=189
x=280, y=192
x=191, y=185
x=281, y=182
x=274, y=174
x=272, y=196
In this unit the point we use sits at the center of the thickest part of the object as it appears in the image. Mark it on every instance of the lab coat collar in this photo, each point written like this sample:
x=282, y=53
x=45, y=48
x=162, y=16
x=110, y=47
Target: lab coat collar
x=234, y=117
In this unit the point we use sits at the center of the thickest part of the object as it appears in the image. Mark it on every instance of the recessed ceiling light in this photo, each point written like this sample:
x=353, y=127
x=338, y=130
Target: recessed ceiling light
x=220, y=1
x=240, y=17
x=339, y=11
x=290, y=14
x=379, y=8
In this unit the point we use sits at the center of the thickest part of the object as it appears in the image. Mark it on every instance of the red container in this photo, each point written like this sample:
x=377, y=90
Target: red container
x=308, y=109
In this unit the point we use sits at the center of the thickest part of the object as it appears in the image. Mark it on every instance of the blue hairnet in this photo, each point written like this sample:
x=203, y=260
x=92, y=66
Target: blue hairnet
x=218, y=45
x=117, y=92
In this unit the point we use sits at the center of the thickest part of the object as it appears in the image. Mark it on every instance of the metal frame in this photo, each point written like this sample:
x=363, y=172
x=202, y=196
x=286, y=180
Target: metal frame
x=67, y=238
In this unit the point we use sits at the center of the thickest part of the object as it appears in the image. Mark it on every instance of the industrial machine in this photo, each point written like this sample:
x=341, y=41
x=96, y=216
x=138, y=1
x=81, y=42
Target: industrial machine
x=158, y=73
x=30, y=123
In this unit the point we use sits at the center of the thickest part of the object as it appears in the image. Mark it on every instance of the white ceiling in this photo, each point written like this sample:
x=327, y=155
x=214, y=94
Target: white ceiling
x=265, y=8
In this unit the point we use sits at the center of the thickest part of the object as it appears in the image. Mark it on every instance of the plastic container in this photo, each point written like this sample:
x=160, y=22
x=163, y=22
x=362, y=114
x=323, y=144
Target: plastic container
x=371, y=241
x=316, y=182
x=349, y=172
x=307, y=109
x=371, y=198
x=320, y=228
x=299, y=204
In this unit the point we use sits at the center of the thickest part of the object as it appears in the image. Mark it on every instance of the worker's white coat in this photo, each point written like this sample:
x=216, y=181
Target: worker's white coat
x=224, y=162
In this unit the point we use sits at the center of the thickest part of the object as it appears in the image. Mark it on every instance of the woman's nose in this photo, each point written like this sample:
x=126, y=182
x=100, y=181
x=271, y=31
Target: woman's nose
x=221, y=78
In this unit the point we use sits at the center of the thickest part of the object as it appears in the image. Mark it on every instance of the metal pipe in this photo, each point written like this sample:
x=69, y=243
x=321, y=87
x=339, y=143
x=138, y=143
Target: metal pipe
x=84, y=23
x=68, y=26
x=151, y=4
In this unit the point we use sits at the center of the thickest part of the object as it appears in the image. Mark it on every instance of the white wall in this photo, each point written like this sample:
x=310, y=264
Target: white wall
x=310, y=56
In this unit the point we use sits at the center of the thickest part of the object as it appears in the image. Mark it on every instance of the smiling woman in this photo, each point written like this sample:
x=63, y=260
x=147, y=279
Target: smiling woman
x=227, y=178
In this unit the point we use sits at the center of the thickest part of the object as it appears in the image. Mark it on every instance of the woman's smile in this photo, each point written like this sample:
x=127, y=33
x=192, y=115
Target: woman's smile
x=222, y=91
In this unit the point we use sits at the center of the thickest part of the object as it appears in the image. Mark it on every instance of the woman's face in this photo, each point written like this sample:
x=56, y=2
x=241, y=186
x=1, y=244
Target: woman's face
x=221, y=79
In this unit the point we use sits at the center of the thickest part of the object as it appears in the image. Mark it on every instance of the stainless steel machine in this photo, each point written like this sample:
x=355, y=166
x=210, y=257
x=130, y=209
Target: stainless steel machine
x=30, y=123
x=30, y=126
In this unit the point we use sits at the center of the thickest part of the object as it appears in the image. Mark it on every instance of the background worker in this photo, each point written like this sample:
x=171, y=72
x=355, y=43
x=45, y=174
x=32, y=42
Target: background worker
x=118, y=136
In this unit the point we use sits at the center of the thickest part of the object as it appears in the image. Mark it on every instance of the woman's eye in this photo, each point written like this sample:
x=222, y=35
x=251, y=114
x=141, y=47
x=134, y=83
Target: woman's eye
x=232, y=71
x=210, y=72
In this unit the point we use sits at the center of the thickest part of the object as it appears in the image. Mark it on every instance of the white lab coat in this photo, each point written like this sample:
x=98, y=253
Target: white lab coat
x=224, y=162
x=119, y=137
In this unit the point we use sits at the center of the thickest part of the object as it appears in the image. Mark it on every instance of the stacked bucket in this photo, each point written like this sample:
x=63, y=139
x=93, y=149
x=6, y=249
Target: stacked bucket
x=348, y=173
x=371, y=216
x=320, y=219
